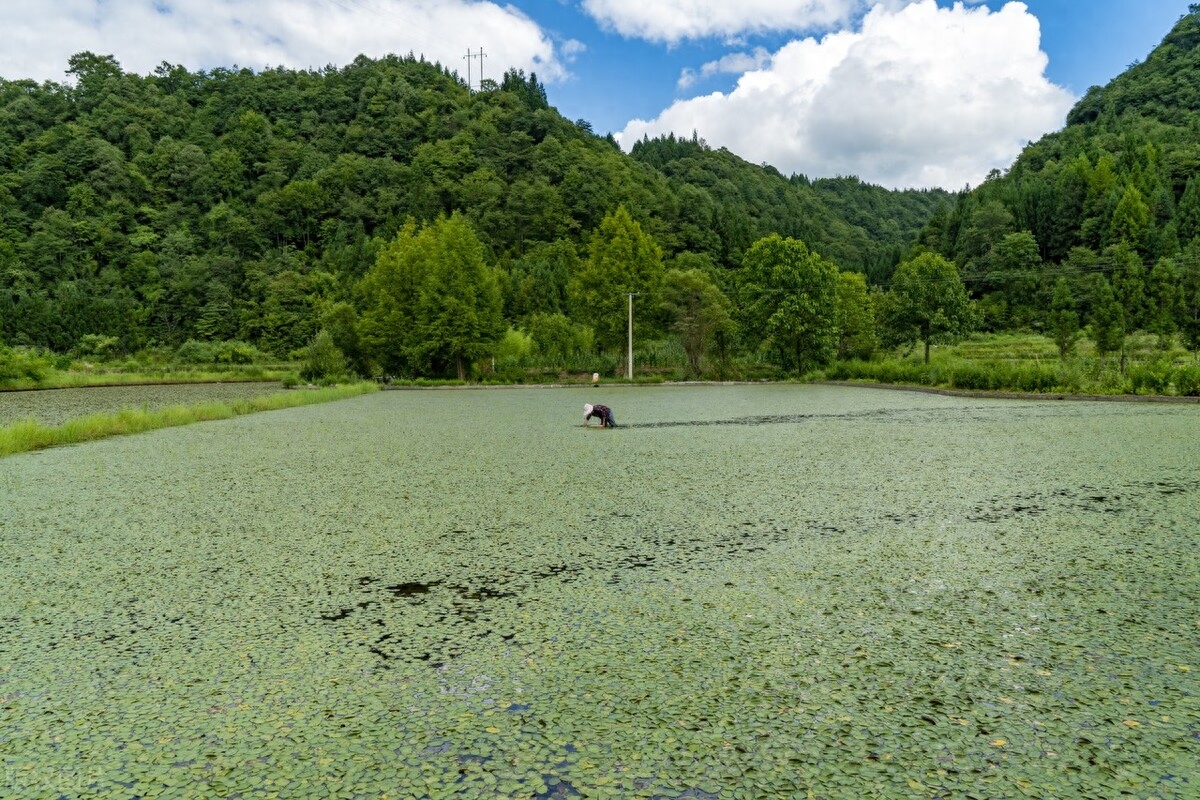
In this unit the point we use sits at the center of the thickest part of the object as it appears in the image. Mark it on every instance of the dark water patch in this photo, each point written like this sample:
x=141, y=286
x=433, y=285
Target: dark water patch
x=748, y=421
x=434, y=620
x=940, y=415
x=444, y=620
x=411, y=589
x=485, y=592
x=1108, y=500
x=440, y=749
x=429, y=659
x=1168, y=488
x=561, y=572
x=694, y=794
x=557, y=788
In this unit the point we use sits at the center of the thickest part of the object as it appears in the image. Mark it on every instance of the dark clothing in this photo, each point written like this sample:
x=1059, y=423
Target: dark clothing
x=604, y=414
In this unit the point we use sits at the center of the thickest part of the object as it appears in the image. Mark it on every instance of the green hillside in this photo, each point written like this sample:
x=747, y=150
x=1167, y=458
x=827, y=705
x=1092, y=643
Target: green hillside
x=235, y=205
x=1113, y=198
x=860, y=226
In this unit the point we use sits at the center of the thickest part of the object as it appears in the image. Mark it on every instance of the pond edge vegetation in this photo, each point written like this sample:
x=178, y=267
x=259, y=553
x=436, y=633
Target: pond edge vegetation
x=29, y=435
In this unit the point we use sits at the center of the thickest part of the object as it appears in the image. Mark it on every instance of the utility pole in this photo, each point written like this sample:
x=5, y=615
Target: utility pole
x=480, y=55
x=631, y=295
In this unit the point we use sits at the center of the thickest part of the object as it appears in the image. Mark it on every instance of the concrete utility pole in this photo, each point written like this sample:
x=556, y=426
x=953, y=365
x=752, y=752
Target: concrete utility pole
x=631, y=295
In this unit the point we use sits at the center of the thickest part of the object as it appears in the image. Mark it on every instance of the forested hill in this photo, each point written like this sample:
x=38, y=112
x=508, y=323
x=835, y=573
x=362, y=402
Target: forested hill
x=232, y=204
x=1115, y=195
x=858, y=225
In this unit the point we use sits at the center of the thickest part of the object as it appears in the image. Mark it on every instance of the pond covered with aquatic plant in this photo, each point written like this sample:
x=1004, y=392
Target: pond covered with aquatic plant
x=56, y=406
x=745, y=591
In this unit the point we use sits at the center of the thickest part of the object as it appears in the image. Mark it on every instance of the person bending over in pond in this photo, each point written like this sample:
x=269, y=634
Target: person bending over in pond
x=603, y=413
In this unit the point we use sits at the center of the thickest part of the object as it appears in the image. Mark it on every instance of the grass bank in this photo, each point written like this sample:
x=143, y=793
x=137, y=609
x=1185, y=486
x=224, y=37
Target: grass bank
x=1030, y=364
x=82, y=378
x=32, y=368
x=28, y=435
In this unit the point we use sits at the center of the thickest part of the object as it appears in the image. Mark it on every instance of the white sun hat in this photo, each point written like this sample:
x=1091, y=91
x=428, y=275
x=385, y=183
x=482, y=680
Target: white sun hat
x=587, y=409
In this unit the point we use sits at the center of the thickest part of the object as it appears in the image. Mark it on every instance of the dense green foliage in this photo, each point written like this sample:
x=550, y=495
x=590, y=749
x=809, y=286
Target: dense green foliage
x=622, y=260
x=234, y=206
x=431, y=302
x=727, y=204
x=927, y=302
x=1076, y=377
x=1111, y=204
x=403, y=225
x=857, y=320
x=1033, y=363
x=701, y=313
x=789, y=293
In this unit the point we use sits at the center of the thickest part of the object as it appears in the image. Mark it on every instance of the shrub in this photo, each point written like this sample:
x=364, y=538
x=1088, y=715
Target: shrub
x=1149, y=378
x=1070, y=378
x=231, y=352
x=556, y=339
x=1111, y=381
x=235, y=352
x=20, y=365
x=1035, y=378
x=323, y=361
x=1187, y=381
x=194, y=352
x=515, y=345
x=96, y=345
x=972, y=376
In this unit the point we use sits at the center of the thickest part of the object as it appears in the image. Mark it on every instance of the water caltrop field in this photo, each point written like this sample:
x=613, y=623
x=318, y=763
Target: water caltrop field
x=56, y=406
x=743, y=592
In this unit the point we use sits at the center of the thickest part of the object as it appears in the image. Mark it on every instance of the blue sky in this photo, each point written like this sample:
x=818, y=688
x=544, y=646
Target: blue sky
x=1089, y=42
x=903, y=93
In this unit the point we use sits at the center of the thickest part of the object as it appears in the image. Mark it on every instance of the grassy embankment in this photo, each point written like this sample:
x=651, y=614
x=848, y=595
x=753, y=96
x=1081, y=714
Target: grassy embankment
x=102, y=375
x=29, y=435
x=999, y=362
x=1030, y=363
x=994, y=362
x=230, y=362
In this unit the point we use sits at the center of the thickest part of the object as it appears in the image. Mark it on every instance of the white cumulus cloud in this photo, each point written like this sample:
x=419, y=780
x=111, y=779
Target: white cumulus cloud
x=919, y=96
x=675, y=20
x=732, y=63
x=40, y=36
